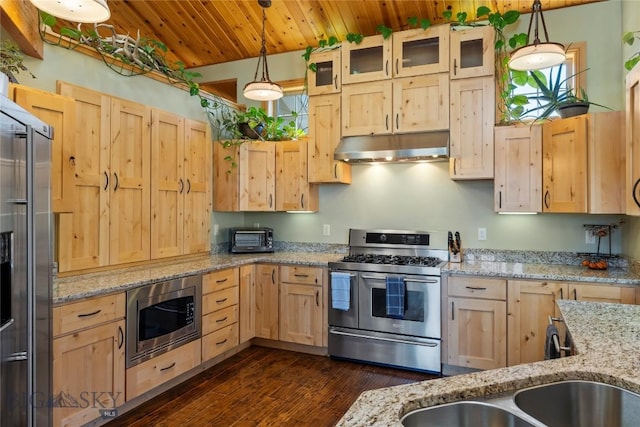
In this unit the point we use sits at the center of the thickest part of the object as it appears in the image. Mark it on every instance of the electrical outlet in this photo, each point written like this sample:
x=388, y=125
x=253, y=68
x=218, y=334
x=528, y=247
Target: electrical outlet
x=216, y=229
x=482, y=233
x=589, y=237
x=326, y=230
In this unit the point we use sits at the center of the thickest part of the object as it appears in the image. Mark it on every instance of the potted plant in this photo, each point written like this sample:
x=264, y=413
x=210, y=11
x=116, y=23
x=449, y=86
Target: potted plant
x=10, y=64
x=552, y=94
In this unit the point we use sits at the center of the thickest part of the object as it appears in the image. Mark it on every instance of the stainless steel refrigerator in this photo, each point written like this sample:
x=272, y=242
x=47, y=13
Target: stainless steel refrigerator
x=25, y=266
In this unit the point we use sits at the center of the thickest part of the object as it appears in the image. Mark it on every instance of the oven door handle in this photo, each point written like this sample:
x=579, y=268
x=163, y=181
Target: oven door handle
x=406, y=279
x=394, y=340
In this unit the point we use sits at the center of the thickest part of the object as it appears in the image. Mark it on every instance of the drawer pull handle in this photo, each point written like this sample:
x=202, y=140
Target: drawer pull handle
x=221, y=280
x=224, y=319
x=221, y=342
x=93, y=313
x=476, y=288
x=301, y=275
x=220, y=301
x=168, y=367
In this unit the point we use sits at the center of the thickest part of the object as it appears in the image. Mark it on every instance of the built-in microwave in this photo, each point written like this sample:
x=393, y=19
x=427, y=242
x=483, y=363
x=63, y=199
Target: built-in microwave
x=249, y=240
x=162, y=316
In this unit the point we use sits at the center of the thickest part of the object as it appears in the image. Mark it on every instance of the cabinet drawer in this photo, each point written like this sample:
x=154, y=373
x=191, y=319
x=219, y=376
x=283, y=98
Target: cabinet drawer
x=219, y=319
x=154, y=372
x=83, y=314
x=219, y=341
x=302, y=275
x=217, y=280
x=219, y=300
x=475, y=287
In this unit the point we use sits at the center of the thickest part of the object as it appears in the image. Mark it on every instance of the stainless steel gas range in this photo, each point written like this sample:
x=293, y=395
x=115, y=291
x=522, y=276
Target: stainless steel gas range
x=384, y=302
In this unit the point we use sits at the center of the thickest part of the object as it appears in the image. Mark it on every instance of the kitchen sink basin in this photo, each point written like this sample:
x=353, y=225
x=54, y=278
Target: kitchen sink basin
x=580, y=403
x=463, y=414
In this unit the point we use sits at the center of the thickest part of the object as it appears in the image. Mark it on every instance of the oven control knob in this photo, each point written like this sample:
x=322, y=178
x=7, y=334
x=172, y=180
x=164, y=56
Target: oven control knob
x=383, y=237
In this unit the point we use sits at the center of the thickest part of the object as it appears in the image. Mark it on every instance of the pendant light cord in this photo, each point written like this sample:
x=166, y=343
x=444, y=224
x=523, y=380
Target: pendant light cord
x=263, y=52
x=536, y=11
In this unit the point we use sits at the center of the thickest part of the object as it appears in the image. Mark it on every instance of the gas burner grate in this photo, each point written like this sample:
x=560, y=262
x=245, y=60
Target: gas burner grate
x=393, y=259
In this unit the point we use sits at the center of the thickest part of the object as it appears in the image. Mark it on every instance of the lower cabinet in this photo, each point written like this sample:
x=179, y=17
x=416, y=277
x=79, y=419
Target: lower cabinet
x=531, y=303
x=88, y=359
x=301, y=305
x=247, y=303
x=220, y=298
x=477, y=323
x=154, y=372
x=266, y=279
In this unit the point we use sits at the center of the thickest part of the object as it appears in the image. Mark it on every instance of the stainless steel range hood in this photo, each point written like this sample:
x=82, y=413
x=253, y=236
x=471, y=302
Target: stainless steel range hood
x=425, y=146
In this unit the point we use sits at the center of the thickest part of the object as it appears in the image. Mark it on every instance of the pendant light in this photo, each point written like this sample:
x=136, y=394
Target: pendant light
x=538, y=55
x=86, y=11
x=263, y=89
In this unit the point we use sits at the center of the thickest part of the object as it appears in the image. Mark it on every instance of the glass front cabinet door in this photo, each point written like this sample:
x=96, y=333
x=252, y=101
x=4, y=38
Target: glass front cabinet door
x=472, y=52
x=327, y=77
x=419, y=51
x=367, y=61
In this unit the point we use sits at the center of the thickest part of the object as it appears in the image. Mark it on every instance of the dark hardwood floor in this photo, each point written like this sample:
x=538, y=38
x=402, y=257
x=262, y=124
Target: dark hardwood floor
x=266, y=387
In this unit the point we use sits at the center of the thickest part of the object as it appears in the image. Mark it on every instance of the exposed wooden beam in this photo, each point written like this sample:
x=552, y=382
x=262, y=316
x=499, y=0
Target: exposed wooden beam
x=19, y=18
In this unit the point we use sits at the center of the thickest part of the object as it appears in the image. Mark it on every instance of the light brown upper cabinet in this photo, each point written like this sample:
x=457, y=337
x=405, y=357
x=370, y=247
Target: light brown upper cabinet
x=251, y=185
x=472, y=52
x=59, y=112
x=633, y=141
x=111, y=223
x=518, y=165
x=472, y=119
x=367, y=61
x=583, y=164
x=418, y=51
x=180, y=185
x=328, y=75
x=324, y=136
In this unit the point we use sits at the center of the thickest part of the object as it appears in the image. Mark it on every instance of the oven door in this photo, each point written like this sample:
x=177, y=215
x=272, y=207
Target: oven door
x=421, y=311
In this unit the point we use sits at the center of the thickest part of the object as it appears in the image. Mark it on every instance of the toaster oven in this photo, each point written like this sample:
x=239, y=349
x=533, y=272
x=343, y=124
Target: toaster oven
x=250, y=240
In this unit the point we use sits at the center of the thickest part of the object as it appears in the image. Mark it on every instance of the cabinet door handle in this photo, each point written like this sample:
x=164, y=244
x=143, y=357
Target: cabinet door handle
x=224, y=319
x=273, y=276
x=106, y=184
x=115, y=176
x=93, y=313
x=188, y=186
x=386, y=67
x=335, y=81
x=476, y=288
x=335, y=171
x=386, y=122
x=453, y=312
x=120, y=337
x=270, y=200
x=168, y=367
x=561, y=294
x=500, y=199
x=455, y=66
x=181, y=182
x=397, y=65
x=220, y=301
x=397, y=120
x=546, y=199
x=575, y=294
x=635, y=192
x=317, y=298
x=454, y=167
x=302, y=200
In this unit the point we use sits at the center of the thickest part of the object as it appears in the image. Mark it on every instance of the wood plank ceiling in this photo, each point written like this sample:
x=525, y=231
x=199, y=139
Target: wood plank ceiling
x=200, y=32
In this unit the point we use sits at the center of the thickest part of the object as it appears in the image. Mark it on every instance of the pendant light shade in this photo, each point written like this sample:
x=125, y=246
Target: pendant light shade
x=263, y=89
x=537, y=55
x=86, y=11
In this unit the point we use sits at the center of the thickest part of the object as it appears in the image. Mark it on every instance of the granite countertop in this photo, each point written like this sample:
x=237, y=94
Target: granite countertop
x=94, y=284
x=540, y=271
x=88, y=285
x=607, y=342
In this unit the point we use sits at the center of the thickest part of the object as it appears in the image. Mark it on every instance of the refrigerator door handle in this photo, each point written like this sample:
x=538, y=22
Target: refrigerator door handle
x=16, y=357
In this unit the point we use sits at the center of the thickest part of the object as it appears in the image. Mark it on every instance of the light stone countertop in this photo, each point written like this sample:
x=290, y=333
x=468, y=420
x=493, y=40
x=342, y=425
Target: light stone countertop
x=88, y=285
x=607, y=341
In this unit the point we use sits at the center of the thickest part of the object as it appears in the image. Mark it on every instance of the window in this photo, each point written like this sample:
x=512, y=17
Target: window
x=293, y=106
x=573, y=67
